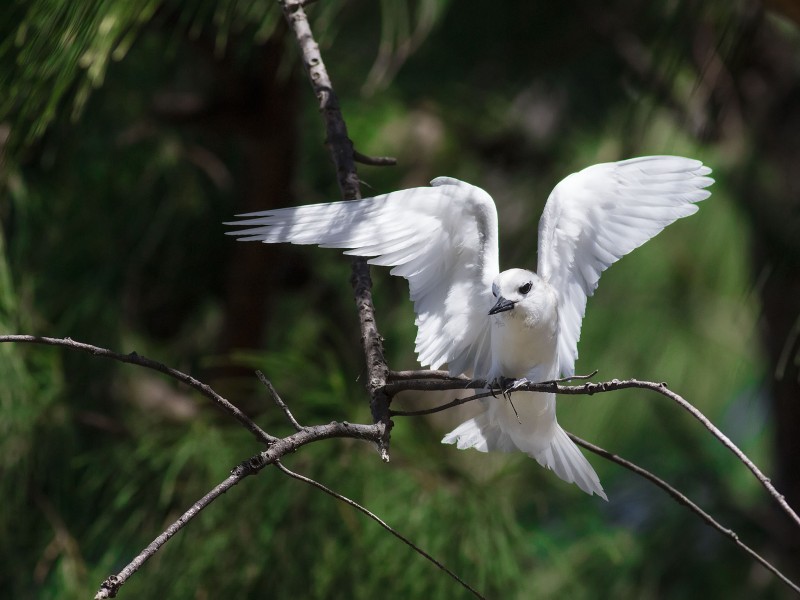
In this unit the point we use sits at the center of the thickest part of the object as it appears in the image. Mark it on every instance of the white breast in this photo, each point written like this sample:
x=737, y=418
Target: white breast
x=525, y=339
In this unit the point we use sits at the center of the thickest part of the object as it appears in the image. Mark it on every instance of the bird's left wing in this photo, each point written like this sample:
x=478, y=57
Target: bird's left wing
x=442, y=239
x=596, y=216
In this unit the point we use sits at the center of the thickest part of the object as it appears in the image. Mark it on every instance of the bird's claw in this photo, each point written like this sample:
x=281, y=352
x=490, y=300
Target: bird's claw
x=498, y=384
x=511, y=385
x=506, y=385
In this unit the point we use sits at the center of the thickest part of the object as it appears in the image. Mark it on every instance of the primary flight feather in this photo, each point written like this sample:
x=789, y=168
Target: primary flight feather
x=516, y=324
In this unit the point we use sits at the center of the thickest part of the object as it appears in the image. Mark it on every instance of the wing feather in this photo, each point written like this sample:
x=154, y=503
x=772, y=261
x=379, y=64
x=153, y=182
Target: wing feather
x=442, y=239
x=598, y=215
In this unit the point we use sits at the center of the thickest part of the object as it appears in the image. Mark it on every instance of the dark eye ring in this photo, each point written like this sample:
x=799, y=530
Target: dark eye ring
x=524, y=289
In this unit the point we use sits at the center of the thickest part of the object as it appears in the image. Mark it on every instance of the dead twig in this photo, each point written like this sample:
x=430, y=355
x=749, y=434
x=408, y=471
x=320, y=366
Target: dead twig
x=380, y=522
x=374, y=161
x=137, y=359
x=685, y=501
x=278, y=401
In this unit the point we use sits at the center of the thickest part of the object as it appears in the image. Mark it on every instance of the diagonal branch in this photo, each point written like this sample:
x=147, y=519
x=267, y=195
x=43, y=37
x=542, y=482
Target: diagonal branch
x=342, y=153
x=137, y=359
x=682, y=499
x=279, y=401
x=380, y=522
x=111, y=586
x=278, y=448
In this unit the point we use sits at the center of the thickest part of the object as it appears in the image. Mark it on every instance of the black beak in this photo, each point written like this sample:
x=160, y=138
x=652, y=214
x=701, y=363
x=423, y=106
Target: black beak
x=502, y=305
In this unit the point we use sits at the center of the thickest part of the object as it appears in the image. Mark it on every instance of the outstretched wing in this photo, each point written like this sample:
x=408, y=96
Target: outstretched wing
x=442, y=239
x=598, y=215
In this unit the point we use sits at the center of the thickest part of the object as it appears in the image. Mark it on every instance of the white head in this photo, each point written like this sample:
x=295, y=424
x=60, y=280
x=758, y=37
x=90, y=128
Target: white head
x=513, y=287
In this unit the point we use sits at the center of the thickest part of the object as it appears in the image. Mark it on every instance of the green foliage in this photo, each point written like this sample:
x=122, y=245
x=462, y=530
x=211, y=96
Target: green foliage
x=47, y=44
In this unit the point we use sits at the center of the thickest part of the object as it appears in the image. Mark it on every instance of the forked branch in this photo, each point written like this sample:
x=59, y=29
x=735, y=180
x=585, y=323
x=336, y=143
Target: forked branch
x=279, y=447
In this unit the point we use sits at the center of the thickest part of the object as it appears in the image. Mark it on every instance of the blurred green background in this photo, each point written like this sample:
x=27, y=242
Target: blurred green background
x=130, y=131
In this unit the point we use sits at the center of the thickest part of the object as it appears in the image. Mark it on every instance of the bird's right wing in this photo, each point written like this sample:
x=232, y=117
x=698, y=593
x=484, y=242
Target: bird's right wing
x=442, y=239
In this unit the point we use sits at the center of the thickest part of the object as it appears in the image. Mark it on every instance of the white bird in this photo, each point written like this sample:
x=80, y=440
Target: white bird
x=516, y=324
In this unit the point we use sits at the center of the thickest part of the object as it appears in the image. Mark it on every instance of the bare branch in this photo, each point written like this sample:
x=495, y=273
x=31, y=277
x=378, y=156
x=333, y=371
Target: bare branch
x=342, y=153
x=682, y=499
x=379, y=521
x=374, y=161
x=573, y=377
x=136, y=359
x=662, y=389
x=278, y=448
x=440, y=408
x=414, y=375
x=427, y=380
x=112, y=584
x=277, y=399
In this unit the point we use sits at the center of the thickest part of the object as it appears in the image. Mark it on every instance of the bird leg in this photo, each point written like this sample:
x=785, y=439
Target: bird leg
x=506, y=385
x=514, y=408
x=498, y=383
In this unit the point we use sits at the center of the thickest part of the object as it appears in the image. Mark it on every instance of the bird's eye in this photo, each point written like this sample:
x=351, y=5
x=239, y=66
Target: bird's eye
x=524, y=289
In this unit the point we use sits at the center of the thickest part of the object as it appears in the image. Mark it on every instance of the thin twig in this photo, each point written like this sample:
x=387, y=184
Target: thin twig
x=682, y=499
x=112, y=584
x=424, y=380
x=436, y=409
x=374, y=161
x=573, y=377
x=765, y=481
x=277, y=399
x=406, y=375
x=380, y=522
x=142, y=361
x=442, y=380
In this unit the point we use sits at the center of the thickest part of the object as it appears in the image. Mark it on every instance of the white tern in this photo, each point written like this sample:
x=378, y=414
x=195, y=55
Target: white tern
x=513, y=324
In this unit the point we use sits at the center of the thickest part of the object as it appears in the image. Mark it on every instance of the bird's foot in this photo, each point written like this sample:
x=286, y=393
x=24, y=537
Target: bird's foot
x=497, y=384
x=506, y=385
x=511, y=385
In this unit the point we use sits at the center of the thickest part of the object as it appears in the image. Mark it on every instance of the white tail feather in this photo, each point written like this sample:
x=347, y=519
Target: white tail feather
x=481, y=434
x=561, y=455
x=566, y=460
